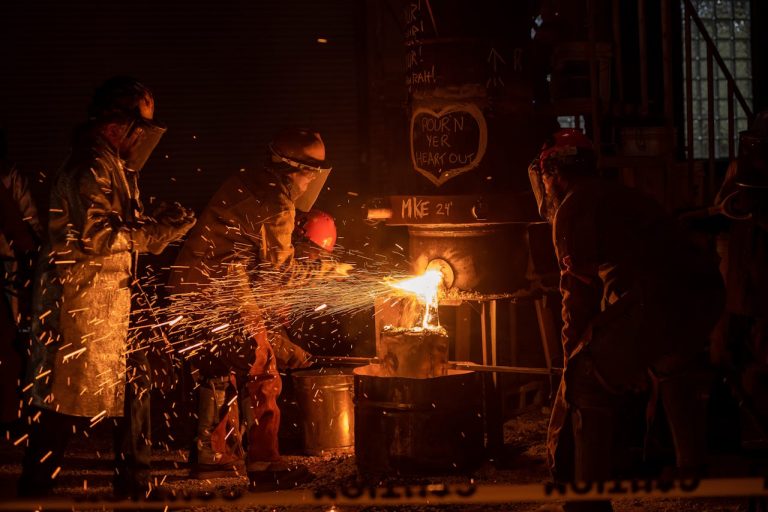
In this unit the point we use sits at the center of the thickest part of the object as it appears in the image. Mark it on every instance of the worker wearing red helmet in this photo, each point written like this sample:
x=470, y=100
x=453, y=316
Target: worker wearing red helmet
x=244, y=236
x=639, y=301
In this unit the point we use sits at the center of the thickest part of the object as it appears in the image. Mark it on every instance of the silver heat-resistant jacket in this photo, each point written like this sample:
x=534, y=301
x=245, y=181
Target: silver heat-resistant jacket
x=82, y=295
x=244, y=233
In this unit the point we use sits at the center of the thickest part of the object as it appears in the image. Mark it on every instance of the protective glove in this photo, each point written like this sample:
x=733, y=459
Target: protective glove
x=343, y=269
x=171, y=222
x=173, y=214
x=288, y=354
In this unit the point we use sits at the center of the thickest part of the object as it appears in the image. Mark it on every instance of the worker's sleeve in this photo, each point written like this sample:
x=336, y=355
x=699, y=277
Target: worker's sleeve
x=26, y=204
x=278, y=250
x=12, y=225
x=150, y=235
x=289, y=355
x=576, y=243
x=98, y=219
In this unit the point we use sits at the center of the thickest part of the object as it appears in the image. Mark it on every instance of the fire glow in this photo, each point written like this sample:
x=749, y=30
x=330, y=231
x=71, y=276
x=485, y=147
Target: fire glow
x=426, y=288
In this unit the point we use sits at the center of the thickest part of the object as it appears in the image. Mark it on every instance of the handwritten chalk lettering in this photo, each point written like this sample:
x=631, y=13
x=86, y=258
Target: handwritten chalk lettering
x=413, y=31
x=447, y=142
x=434, y=141
x=517, y=62
x=443, y=209
x=449, y=123
x=412, y=12
x=414, y=207
x=426, y=76
x=460, y=158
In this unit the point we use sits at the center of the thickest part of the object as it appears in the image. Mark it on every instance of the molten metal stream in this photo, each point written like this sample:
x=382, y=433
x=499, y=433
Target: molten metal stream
x=426, y=288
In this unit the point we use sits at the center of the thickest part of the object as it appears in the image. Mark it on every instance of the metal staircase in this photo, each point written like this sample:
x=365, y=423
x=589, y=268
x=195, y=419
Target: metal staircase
x=668, y=167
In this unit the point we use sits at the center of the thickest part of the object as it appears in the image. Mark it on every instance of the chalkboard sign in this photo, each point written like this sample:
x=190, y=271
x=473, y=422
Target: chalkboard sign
x=447, y=142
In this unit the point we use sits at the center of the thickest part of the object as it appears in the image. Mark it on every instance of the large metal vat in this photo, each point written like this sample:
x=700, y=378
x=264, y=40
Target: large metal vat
x=417, y=426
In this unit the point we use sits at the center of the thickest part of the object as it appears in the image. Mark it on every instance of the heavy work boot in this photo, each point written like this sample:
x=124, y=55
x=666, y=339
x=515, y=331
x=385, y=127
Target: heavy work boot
x=267, y=471
x=218, y=446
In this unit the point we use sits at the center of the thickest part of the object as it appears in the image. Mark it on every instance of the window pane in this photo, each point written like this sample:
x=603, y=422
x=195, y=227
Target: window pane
x=727, y=22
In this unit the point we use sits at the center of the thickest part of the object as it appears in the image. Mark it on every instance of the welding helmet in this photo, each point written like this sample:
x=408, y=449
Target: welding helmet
x=318, y=227
x=569, y=154
x=123, y=99
x=300, y=150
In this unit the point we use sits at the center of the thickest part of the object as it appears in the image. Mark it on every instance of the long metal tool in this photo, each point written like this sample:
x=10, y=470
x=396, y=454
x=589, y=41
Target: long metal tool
x=453, y=365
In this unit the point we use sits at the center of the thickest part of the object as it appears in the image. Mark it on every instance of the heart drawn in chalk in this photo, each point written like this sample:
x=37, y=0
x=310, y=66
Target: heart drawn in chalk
x=447, y=142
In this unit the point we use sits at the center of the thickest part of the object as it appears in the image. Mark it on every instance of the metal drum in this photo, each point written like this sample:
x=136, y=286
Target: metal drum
x=417, y=426
x=326, y=404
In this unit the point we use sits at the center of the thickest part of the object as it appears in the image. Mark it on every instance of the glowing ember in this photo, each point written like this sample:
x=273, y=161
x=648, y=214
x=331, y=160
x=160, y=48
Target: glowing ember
x=426, y=288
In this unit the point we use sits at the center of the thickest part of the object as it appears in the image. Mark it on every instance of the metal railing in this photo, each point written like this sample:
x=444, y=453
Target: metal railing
x=691, y=19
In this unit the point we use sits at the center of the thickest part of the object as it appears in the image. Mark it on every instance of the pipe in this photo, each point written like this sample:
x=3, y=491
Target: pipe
x=452, y=365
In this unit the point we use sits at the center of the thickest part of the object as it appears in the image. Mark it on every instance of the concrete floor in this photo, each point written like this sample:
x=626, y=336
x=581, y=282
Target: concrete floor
x=88, y=470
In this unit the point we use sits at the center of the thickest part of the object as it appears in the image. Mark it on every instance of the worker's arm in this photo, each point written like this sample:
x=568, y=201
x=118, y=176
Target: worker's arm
x=97, y=218
x=576, y=243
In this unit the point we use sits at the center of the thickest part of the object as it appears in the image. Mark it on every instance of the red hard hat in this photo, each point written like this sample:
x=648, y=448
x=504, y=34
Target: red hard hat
x=570, y=146
x=318, y=227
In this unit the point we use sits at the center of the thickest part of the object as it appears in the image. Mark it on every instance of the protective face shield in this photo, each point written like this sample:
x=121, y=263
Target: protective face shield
x=140, y=141
x=536, y=177
x=304, y=200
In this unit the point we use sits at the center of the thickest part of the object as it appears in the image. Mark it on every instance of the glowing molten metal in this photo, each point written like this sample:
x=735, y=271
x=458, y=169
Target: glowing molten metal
x=426, y=288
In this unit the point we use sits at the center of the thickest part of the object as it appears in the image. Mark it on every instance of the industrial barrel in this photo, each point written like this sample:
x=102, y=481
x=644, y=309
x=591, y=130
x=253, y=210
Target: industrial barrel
x=326, y=405
x=417, y=426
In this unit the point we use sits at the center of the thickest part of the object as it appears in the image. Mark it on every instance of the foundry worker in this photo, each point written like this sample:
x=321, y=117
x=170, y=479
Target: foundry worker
x=82, y=290
x=743, y=199
x=244, y=238
x=20, y=234
x=639, y=302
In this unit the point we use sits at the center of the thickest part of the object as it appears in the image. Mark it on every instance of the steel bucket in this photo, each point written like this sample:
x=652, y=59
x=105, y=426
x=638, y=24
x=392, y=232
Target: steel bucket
x=325, y=398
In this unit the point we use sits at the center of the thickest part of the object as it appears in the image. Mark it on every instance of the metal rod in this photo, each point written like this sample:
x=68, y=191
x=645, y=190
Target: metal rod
x=731, y=127
x=666, y=48
x=493, y=337
x=710, y=123
x=453, y=365
x=504, y=369
x=691, y=15
x=688, y=93
x=643, y=43
x=483, y=332
x=344, y=360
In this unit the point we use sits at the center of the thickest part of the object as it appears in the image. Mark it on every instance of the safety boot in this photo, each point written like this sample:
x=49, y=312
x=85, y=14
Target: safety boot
x=218, y=445
x=277, y=476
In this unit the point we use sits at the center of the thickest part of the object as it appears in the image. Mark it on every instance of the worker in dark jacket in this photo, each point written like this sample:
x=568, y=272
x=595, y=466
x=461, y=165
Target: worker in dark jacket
x=743, y=199
x=242, y=242
x=20, y=234
x=639, y=302
x=82, y=291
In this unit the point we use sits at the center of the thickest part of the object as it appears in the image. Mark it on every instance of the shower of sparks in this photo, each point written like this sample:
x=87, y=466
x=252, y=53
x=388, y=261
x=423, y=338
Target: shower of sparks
x=426, y=287
x=213, y=315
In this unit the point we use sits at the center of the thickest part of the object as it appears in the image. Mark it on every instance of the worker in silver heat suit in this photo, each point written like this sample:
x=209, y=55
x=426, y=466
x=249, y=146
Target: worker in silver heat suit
x=244, y=238
x=82, y=291
x=639, y=302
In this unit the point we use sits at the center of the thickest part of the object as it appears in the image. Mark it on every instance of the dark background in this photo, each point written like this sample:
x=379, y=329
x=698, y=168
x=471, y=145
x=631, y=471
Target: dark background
x=226, y=75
